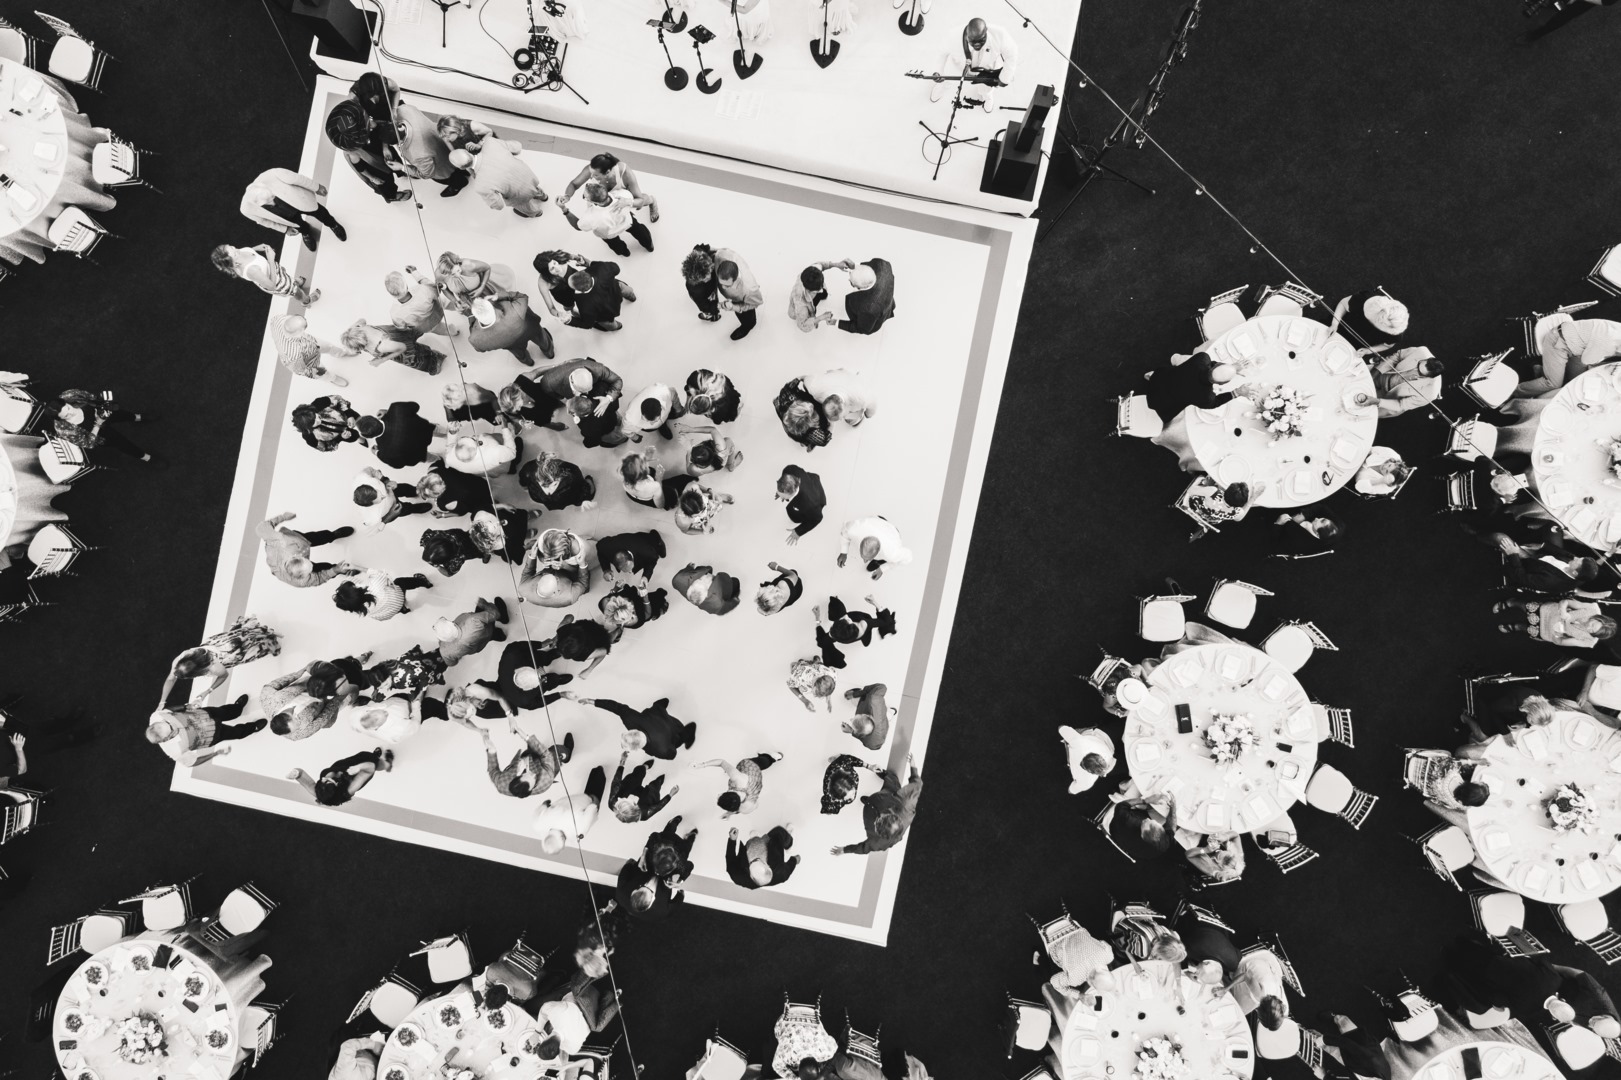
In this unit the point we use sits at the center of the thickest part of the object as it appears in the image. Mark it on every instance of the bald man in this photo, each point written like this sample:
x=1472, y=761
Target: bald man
x=986, y=50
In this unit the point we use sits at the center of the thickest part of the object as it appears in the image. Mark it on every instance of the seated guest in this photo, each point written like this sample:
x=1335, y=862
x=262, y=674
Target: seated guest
x=1553, y=568
x=887, y=813
x=1197, y=382
x=1451, y=786
x=1211, y=951
x=1258, y=987
x=712, y=395
x=876, y=541
x=1572, y=623
x=287, y=553
x=567, y=1022
x=706, y=589
x=760, y=861
x=343, y=779
x=1358, y=1051
x=1145, y=937
x=564, y=817
x=870, y=724
x=1383, y=472
x=357, y=1058
x=469, y=632
x=1217, y=861
x=849, y=627
x=630, y=557
x=1407, y=379
x=1570, y=348
x=454, y=493
x=190, y=734
x=599, y=296
x=802, y=415
x=1298, y=536
x=1081, y=958
x=744, y=782
x=1140, y=832
x=663, y=735
x=1212, y=507
x=1371, y=320
x=696, y=505
x=778, y=593
x=806, y=500
x=632, y=797
x=870, y=303
x=1091, y=756
x=377, y=595
x=532, y=769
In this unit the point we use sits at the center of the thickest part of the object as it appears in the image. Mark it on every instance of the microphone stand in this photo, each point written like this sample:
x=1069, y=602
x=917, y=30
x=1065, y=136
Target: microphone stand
x=444, y=17
x=912, y=19
x=669, y=21
x=675, y=78
x=824, y=50
x=740, y=62
x=943, y=141
x=705, y=86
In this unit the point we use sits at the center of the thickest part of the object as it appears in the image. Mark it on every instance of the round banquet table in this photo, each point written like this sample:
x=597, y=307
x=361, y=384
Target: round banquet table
x=25, y=493
x=46, y=151
x=1258, y=788
x=1507, y=1052
x=197, y=998
x=1569, y=468
x=452, y=1029
x=1230, y=443
x=1098, y=1036
x=1515, y=841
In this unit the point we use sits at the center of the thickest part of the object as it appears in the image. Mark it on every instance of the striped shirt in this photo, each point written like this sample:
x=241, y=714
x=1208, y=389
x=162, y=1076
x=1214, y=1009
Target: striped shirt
x=299, y=353
x=389, y=598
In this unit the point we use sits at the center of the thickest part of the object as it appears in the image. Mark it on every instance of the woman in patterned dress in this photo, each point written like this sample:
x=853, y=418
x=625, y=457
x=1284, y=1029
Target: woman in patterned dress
x=696, y=507
x=260, y=266
x=300, y=351
x=244, y=641
x=385, y=343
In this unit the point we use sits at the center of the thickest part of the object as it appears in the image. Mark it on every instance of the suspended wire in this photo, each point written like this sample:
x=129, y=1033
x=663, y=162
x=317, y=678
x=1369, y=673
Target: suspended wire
x=461, y=367
x=291, y=59
x=1361, y=344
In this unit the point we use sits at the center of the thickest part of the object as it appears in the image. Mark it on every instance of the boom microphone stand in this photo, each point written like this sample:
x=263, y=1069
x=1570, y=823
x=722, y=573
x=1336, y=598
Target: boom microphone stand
x=824, y=50
x=740, y=63
x=942, y=141
x=675, y=77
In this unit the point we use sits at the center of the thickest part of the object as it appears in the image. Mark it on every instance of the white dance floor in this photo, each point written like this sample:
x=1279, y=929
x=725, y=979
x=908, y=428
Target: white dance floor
x=937, y=366
x=856, y=120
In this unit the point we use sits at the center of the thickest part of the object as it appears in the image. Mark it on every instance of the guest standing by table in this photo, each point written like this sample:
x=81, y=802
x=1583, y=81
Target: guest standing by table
x=1407, y=379
x=1197, y=382
x=283, y=201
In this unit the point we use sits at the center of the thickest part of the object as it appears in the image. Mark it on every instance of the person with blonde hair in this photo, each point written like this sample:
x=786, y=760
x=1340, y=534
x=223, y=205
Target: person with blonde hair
x=385, y=343
x=259, y=265
x=191, y=734
x=778, y=593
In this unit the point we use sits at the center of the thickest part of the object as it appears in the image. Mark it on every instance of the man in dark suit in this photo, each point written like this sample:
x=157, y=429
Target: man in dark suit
x=598, y=296
x=643, y=895
x=521, y=677
x=803, y=493
x=871, y=303
x=719, y=597
x=630, y=555
x=504, y=323
x=762, y=861
x=664, y=733
x=1174, y=387
x=399, y=435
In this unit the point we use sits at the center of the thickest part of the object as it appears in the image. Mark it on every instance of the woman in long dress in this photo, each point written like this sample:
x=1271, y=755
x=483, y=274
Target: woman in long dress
x=385, y=343
x=243, y=642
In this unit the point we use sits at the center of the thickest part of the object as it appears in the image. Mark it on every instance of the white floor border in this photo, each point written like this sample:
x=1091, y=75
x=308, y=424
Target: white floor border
x=862, y=914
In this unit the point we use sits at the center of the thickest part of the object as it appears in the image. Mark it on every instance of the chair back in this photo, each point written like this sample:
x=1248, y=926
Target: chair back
x=1104, y=671
x=244, y=910
x=1334, y=725
x=1160, y=618
x=1471, y=438
x=450, y=959
x=1101, y=821
x=1290, y=858
x=1232, y=602
x=1416, y=1027
x=721, y=1061
x=19, y=812
x=390, y=1001
x=1491, y=382
x=75, y=231
x=1290, y=645
x=1329, y=790
x=1606, y=272
x=61, y=26
x=17, y=46
x=1133, y=417
x=106, y=928
x=1220, y=317
x=65, y=941
x=20, y=411
x=1231, y=296
x=863, y=1047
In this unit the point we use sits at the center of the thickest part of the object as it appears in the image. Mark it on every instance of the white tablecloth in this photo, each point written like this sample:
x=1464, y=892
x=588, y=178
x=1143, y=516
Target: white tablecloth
x=1230, y=443
x=1258, y=788
x=25, y=493
x=1569, y=467
x=1515, y=841
x=119, y=982
x=47, y=154
x=1098, y=1039
x=1508, y=1052
x=451, y=1026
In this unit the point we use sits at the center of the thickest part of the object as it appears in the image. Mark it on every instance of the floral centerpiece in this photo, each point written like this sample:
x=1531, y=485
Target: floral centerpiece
x=1570, y=808
x=141, y=1039
x=1161, y=1059
x=1229, y=736
x=1612, y=460
x=1281, y=410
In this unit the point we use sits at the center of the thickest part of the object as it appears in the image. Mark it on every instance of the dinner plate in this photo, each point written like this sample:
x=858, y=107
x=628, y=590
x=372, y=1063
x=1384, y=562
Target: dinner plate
x=1187, y=671
x=1262, y=807
x=1242, y=345
x=1337, y=357
x=1588, y=873
x=220, y=1038
x=1130, y=692
x=1145, y=752
x=1299, y=332
x=1500, y=1061
x=451, y=1015
x=23, y=197
x=1582, y=521
x=1232, y=469
x=1288, y=768
x=1534, y=877
x=1533, y=744
x=1151, y=707
x=1084, y=1049
x=45, y=151
x=1175, y=785
x=193, y=984
x=1347, y=452
x=1302, y=723
x=95, y=975
x=1221, y=1017
x=1551, y=460
x=1275, y=687
x=1440, y=1070
x=139, y=957
x=84, y=1072
x=1496, y=842
x=410, y=1037
x=1595, y=389
x=1554, y=418
x=1581, y=733
x=1234, y=664
x=1215, y=815
x=1301, y=483
x=396, y=1072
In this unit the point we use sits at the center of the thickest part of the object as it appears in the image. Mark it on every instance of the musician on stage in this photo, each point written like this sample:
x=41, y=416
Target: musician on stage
x=988, y=52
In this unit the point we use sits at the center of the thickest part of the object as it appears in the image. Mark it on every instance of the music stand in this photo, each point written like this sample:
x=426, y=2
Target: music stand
x=675, y=77
x=824, y=50
x=701, y=35
x=744, y=70
x=943, y=141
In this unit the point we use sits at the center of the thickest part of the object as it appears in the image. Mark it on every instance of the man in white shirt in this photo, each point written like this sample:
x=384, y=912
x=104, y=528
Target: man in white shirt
x=844, y=395
x=1091, y=756
x=876, y=541
x=1259, y=986
x=738, y=290
x=609, y=214
x=558, y=819
x=568, y=1022
x=416, y=303
x=986, y=49
x=501, y=178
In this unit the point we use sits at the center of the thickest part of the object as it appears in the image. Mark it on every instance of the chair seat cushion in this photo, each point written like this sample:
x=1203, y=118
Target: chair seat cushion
x=1578, y=1047
x=1232, y=605
x=1418, y=1027
x=1453, y=847
x=13, y=45
x=1162, y=620
x=1329, y=790
x=1280, y=1044
x=241, y=913
x=392, y=1003
x=100, y=932
x=1496, y=387
x=719, y=1063
x=1290, y=646
x=450, y=963
x=1585, y=920
x=166, y=912
x=1487, y=1020
x=1501, y=912
x=1034, y=1028
x=72, y=59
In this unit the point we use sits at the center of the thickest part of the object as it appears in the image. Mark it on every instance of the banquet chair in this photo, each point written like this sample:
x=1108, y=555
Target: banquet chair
x=720, y=1061
x=1606, y=273
x=1287, y=299
x=117, y=164
x=1160, y=618
x=1232, y=602
x=1102, y=822
x=1589, y=923
x=74, y=57
x=18, y=45
x=1536, y=325
x=592, y=1060
x=1289, y=858
x=63, y=462
x=863, y=1047
x=1187, y=909
x=1293, y=642
x=524, y=957
x=1448, y=849
x=91, y=933
x=1500, y=915
x=1460, y=493
x=1471, y=438
x=165, y=907
x=1221, y=314
x=54, y=549
x=1286, y=1042
x=243, y=911
x=450, y=959
x=390, y=1002
x=76, y=232
x=1420, y=1023
x=1491, y=382
x=1575, y=1046
x=1474, y=684
x=1133, y=417
x=1333, y=725
x=21, y=813
x=1330, y=791
x=1105, y=671
x=1055, y=930
x=65, y=941
x=20, y=411
x=262, y=1019
x=1420, y=766
x=1027, y=1025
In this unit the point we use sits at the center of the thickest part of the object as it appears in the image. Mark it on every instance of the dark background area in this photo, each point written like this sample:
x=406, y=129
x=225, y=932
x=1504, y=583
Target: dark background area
x=1420, y=146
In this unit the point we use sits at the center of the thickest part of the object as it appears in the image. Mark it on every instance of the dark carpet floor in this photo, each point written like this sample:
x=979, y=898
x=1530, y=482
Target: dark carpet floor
x=1416, y=145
